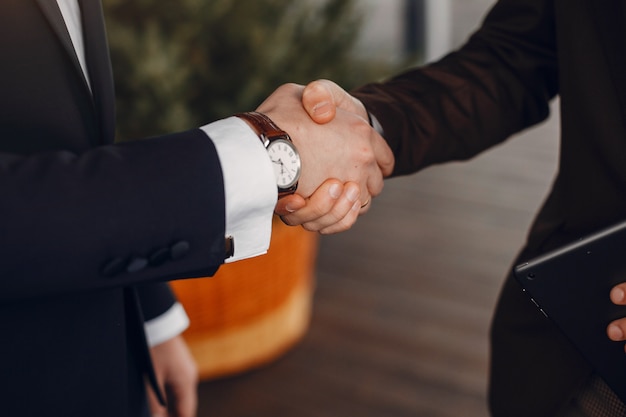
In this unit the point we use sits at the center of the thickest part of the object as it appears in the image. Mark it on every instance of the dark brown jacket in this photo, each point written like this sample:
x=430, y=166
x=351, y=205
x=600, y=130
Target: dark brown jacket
x=500, y=82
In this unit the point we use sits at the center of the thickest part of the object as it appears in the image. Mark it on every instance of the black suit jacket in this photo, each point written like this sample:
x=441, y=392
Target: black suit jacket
x=88, y=228
x=499, y=83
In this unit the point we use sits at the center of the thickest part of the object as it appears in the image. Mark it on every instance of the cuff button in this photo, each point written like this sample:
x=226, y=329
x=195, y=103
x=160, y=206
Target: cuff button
x=113, y=267
x=136, y=265
x=179, y=249
x=159, y=256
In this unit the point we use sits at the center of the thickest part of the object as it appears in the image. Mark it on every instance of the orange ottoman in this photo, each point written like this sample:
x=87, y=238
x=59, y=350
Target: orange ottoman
x=251, y=311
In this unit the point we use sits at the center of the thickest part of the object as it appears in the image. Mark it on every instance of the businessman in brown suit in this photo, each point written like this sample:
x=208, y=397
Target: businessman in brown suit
x=500, y=82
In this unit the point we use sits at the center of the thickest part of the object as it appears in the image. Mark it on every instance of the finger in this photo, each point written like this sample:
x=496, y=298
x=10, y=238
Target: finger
x=365, y=206
x=289, y=204
x=341, y=216
x=345, y=223
x=616, y=330
x=375, y=182
x=319, y=204
x=618, y=294
x=156, y=409
x=384, y=155
x=184, y=401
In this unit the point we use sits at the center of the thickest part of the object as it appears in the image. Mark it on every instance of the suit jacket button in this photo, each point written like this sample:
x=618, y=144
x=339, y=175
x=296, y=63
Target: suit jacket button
x=159, y=256
x=179, y=249
x=137, y=264
x=113, y=267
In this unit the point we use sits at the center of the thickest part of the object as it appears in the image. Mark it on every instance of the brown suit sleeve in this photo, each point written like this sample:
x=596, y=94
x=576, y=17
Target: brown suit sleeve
x=497, y=84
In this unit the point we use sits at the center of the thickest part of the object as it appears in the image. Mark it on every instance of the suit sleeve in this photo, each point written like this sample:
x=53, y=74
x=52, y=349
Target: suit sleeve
x=138, y=212
x=498, y=83
x=164, y=317
x=155, y=299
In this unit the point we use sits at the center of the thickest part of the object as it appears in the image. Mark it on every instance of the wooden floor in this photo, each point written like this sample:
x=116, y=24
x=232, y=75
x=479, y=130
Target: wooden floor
x=403, y=300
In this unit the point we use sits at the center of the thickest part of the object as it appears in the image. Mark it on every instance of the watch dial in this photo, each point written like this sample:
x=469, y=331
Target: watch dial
x=286, y=162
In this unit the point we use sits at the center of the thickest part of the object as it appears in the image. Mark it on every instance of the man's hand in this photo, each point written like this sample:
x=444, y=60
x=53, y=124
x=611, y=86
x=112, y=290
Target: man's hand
x=177, y=375
x=321, y=100
x=617, y=329
x=333, y=208
x=345, y=148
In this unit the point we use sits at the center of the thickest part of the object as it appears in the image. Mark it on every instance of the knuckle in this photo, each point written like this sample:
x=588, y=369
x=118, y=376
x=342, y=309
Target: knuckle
x=344, y=224
x=377, y=189
x=320, y=210
x=287, y=220
x=310, y=227
x=316, y=86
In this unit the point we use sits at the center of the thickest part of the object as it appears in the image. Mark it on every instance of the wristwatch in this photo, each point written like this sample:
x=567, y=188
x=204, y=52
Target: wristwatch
x=281, y=150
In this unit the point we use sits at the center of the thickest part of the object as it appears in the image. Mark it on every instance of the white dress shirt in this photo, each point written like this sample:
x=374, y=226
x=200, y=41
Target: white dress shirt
x=249, y=186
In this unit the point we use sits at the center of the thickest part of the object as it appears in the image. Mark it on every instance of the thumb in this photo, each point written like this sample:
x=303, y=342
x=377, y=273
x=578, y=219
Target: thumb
x=289, y=204
x=322, y=98
x=318, y=100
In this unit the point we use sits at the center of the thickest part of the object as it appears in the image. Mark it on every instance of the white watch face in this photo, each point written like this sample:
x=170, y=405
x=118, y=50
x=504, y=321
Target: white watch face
x=286, y=162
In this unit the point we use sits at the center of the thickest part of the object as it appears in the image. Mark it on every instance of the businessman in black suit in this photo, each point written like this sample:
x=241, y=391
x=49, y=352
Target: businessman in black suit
x=91, y=230
x=500, y=82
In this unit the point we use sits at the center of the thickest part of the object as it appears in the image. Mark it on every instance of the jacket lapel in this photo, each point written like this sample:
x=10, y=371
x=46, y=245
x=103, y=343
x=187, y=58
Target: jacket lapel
x=51, y=11
x=97, y=57
x=609, y=17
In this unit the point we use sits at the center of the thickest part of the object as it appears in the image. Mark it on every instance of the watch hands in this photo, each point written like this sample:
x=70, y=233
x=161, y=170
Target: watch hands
x=282, y=164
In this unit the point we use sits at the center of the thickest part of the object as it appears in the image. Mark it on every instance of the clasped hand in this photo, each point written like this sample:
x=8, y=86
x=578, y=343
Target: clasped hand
x=616, y=330
x=343, y=159
x=344, y=162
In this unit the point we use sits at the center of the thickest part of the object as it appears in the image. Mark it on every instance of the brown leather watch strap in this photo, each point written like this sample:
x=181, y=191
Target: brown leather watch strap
x=263, y=125
x=268, y=132
x=229, y=247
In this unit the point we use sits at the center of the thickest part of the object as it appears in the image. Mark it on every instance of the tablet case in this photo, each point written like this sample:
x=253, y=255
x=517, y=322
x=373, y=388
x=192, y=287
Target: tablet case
x=571, y=286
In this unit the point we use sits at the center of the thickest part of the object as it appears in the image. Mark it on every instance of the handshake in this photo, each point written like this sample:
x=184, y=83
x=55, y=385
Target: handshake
x=344, y=160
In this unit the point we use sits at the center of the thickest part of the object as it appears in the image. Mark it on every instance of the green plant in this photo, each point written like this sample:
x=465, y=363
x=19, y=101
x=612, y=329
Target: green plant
x=185, y=63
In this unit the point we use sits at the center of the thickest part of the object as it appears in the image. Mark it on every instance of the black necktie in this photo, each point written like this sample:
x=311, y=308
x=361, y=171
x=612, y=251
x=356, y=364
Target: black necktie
x=99, y=66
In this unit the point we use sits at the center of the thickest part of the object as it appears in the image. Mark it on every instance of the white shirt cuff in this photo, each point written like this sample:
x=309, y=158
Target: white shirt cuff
x=166, y=326
x=249, y=186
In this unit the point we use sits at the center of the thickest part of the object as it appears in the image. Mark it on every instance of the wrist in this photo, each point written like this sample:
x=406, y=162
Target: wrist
x=281, y=151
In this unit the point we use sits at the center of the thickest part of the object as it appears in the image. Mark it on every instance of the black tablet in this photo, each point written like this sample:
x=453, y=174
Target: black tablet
x=571, y=286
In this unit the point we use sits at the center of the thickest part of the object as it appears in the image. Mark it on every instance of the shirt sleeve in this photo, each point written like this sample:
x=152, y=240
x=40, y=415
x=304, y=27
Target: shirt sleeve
x=166, y=326
x=249, y=186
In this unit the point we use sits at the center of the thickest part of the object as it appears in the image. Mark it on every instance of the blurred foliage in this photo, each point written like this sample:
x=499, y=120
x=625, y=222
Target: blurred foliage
x=180, y=64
